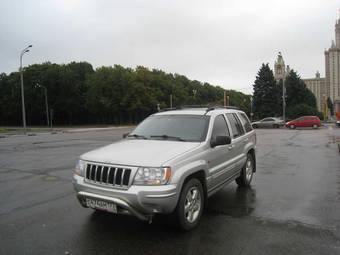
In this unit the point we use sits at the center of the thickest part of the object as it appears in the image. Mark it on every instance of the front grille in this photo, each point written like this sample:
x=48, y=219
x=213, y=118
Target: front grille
x=108, y=175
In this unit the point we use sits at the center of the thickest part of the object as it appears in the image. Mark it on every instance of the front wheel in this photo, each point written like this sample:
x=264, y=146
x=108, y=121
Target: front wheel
x=292, y=127
x=255, y=126
x=190, y=205
x=315, y=126
x=247, y=172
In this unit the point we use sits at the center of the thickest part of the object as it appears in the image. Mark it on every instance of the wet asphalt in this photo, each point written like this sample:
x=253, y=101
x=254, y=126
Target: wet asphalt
x=293, y=206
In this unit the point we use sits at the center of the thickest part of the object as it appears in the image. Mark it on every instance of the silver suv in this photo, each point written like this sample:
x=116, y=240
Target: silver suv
x=169, y=164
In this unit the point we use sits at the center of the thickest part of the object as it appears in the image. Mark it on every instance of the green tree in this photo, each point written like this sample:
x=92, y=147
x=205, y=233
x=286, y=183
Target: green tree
x=78, y=94
x=266, y=99
x=297, y=92
x=299, y=97
x=330, y=105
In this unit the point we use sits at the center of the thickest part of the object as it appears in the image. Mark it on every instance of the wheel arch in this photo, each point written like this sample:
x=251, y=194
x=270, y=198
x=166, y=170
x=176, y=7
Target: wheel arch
x=201, y=176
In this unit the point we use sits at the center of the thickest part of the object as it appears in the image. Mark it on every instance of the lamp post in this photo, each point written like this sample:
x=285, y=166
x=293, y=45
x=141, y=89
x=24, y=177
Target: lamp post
x=46, y=102
x=22, y=87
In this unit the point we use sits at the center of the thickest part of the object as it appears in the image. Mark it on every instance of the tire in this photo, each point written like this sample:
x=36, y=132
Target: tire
x=255, y=126
x=276, y=126
x=292, y=127
x=189, y=218
x=315, y=126
x=247, y=172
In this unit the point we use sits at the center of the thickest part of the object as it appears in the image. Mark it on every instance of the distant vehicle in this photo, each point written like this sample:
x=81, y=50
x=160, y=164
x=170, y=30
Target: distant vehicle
x=268, y=123
x=305, y=121
x=337, y=123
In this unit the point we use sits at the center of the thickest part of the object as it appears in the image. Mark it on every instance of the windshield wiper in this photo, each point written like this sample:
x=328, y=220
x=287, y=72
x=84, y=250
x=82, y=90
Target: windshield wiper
x=168, y=137
x=137, y=136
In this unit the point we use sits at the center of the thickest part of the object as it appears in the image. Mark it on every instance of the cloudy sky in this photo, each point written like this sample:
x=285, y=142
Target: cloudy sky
x=221, y=42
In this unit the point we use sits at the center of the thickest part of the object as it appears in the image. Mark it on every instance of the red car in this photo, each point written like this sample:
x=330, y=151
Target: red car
x=305, y=121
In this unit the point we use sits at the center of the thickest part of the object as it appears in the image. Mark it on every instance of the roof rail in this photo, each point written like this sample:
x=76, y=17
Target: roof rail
x=183, y=107
x=221, y=107
x=208, y=108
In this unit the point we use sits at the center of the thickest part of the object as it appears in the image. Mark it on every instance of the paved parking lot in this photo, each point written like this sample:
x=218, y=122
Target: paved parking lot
x=293, y=206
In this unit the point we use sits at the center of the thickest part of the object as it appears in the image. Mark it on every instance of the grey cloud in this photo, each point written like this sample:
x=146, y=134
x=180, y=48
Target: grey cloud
x=222, y=42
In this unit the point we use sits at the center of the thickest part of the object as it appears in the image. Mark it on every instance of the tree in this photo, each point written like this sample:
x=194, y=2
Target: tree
x=111, y=95
x=330, y=105
x=297, y=92
x=266, y=99
x=299, y=97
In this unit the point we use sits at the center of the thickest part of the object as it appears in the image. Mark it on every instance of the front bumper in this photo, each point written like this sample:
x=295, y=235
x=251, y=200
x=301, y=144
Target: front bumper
x=139, y=201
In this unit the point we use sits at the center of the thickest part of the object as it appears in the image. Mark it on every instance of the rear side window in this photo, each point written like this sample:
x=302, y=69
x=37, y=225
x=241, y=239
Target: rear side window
x=235, y=125
x=220, y=127
x=245, y=122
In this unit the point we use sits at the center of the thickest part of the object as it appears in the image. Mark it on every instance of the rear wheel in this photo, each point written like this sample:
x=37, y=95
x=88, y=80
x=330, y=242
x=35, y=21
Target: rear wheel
x=190, y=205
x=276, y=126
x=247, y=172
x=255, y=126
x=315, y=126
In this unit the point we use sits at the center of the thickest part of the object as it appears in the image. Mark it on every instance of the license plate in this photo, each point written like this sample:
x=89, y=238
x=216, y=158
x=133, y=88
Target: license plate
x=102, y=205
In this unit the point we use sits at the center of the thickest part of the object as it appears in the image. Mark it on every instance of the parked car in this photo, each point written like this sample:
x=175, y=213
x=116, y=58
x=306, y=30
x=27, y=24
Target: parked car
x=169, y=164
x=305, y=121
x=268, y=123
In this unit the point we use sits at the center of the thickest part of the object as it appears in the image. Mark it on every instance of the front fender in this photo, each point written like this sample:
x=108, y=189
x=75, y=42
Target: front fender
x=184, y=171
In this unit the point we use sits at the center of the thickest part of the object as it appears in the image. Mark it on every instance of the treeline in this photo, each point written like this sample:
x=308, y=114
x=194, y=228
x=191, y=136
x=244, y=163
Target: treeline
x=267, y=100
x=78, y=94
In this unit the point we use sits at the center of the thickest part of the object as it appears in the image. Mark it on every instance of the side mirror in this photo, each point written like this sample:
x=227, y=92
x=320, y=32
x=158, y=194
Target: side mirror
x=220, y=140
x=125, y=135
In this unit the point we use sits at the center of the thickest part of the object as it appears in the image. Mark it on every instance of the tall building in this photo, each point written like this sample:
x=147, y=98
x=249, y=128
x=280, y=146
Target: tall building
x=318, y=86
x=332, y=68
x=280, y=69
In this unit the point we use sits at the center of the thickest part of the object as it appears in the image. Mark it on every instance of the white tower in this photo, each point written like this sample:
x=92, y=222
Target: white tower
x=280, y=69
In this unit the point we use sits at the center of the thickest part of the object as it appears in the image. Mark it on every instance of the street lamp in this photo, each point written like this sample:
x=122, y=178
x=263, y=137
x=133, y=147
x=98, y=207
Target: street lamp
x=22, y=87
x=46, y=102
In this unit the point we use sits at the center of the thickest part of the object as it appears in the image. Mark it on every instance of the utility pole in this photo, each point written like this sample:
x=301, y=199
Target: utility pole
x=46, y=102
x=170, y=100
x=251, y=109
x=225, y=99
x=283, y=100
x=51, y=119
x=22, y=88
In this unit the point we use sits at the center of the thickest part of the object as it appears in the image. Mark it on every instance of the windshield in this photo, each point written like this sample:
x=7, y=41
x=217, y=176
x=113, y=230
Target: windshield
x=190, y=128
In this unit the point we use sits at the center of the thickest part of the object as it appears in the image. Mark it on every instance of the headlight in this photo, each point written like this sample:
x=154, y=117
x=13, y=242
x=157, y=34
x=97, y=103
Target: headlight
x=152, y=176
x=80, y=168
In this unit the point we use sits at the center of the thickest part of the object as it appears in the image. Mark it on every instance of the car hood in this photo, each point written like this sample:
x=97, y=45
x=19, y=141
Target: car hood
x=134, y=152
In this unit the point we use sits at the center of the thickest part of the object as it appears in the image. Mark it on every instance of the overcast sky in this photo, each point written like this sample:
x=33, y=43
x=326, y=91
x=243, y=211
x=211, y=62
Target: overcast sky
x=220, y=42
